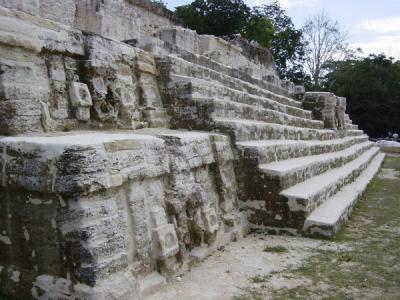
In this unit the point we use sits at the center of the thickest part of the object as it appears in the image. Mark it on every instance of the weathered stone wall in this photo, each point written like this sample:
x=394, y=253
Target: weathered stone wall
x=60, y=11
x=121, y=19
x=79, y=210
x=116, y=19
x=42, y=65
x=98, y=199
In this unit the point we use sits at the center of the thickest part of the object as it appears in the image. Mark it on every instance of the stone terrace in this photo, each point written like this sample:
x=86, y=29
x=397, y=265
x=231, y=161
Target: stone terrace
x=133, y=148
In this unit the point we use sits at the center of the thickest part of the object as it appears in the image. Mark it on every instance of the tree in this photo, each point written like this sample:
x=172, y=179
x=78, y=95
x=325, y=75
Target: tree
x=217, y=17
x=159, y=3
x=324, y=42
x=372, y=88
x=286, y=42
x=260, y=29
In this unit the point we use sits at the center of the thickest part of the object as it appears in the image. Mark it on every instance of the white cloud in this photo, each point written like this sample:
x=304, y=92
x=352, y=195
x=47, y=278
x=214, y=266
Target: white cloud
x=388, y=44
x=292, y=3
x=298, y=3
x=383, y=25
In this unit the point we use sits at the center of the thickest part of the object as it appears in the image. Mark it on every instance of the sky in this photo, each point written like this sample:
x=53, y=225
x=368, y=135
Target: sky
x=373, y=25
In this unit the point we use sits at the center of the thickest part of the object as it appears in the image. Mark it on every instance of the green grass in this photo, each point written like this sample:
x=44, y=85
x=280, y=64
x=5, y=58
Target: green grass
x=391, y=149
x=260, y=278
x=276, y=249
x=250, y=294
x=367, y=266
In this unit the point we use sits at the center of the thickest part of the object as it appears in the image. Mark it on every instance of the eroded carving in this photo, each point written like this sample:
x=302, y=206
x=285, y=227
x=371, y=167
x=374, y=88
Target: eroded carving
x=81, y=100
x=166, y=241
x=323, y=107
x=340, y=111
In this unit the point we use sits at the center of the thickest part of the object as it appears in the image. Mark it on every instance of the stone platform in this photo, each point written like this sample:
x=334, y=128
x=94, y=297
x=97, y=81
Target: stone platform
x=90, y=207
x=132, y=149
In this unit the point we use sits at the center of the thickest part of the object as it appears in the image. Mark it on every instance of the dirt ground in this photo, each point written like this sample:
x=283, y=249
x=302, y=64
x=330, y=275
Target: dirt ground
x=362, y=262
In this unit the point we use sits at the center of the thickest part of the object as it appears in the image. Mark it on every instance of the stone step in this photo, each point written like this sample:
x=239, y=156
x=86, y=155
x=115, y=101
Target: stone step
x=289, y=172
x=328, y=218
x=186, y=86
x=266, y=151
x=245, y=130
x=209, y=108
x=271, y=83
x=234, y=110
x=150, y=284
x=201, y=66
x=156, y=117
x=178, y=66
x=351, y=126
x=308, y=195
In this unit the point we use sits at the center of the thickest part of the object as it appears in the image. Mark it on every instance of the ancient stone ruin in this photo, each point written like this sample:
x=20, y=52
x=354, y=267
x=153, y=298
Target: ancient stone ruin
x=133, y=148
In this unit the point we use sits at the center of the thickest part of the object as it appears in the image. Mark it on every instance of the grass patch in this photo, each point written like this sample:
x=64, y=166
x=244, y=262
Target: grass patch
x=392, y=162
x=259, y=278
x=250, y=294
x=366, y=264
x=276, y=249
x=391, y=149
x=371, y=269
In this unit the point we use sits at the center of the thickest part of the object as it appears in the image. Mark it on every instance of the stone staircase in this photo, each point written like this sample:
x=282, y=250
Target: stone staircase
x=102, y=161
x=290, y=167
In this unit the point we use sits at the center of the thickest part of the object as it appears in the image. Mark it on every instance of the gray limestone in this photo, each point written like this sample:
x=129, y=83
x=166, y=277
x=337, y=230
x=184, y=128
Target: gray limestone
x=107, y=192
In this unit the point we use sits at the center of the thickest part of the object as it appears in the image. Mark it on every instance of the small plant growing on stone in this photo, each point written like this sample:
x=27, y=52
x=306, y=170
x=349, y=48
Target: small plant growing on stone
x=67, y=128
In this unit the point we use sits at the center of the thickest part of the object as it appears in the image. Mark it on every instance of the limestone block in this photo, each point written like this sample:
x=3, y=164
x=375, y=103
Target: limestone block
x=166, y=241
x=17, y=33
x=190, y=150
x=158, y=216
x=322, y=105
x=112, y=82
x=51, y=287
x=121, y=20
x=146, y=64
x=80, y=95
x=150, y=93
x=210, y=219
x=290, y=88
x=20, y=116
x=155, y=117
x=28, y=6
x=59, y=11
x=81, y=100
x=184, y=38
x=340, y=111
x=299, y=92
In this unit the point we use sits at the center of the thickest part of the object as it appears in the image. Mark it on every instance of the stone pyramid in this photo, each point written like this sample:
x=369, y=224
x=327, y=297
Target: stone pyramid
x=133, y=148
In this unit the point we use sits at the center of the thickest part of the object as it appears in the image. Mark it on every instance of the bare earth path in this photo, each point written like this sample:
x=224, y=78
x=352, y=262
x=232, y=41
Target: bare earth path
x=363, y=262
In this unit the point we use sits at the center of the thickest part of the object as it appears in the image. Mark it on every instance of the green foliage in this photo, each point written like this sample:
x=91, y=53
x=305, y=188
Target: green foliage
x=159, y=3
x=372, y=88
x=217, y=17
x=259, y=29
x=286, y=43
x=276, y=249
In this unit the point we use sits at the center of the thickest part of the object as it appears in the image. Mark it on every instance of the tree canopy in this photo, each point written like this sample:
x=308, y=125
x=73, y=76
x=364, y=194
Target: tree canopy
x=286, y=42
x=217, y=17
x=324, y=42
x=372, y=88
